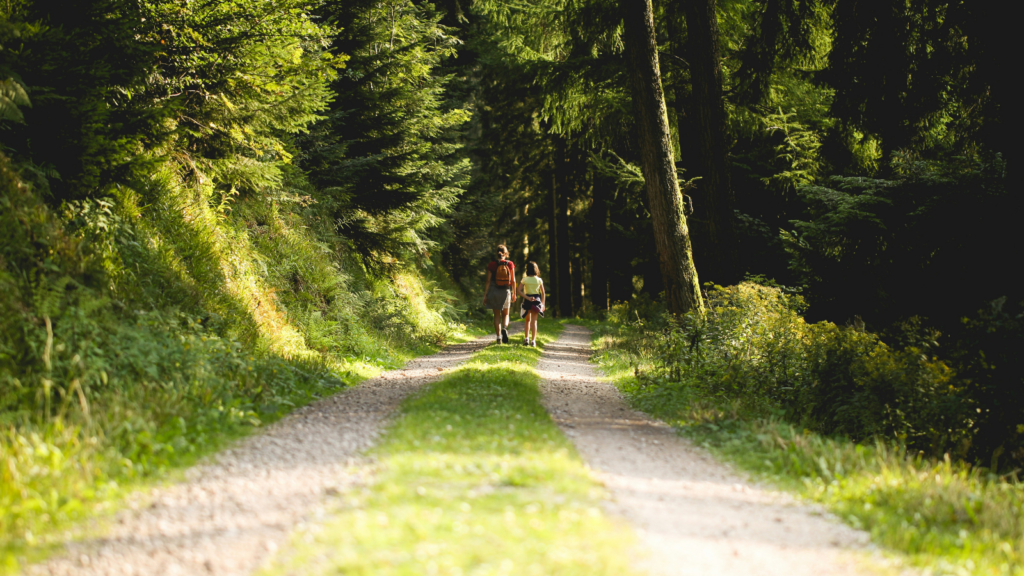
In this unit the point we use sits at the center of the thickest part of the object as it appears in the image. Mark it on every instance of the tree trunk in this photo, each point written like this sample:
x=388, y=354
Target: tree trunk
x=565, y=183
x=619, y=256
x=553, y=242
x=598, y=238
x=682, y=288
x=714, y=235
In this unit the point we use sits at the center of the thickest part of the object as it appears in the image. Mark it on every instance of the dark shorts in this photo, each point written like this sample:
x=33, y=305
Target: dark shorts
x=531, y=305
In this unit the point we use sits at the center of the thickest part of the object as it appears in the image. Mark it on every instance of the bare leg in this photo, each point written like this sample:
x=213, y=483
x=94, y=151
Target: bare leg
x=534, y=317
x=504, y=320
x=497, y=325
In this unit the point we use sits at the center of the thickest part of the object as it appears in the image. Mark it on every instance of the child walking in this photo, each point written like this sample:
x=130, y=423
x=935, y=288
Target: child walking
x=534, y=297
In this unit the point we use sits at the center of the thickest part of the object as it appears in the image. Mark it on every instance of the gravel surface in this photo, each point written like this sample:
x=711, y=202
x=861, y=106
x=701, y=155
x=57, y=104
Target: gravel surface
x=694, y=515
x=232, y=512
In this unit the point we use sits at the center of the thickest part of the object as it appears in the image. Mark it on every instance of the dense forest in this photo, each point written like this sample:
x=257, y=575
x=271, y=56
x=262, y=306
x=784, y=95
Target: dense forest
x=212, y=211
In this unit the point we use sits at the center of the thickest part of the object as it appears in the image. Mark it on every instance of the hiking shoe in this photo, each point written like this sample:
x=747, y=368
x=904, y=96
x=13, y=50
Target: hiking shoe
x=498, y=341
x=504, y=336
x=533, y=343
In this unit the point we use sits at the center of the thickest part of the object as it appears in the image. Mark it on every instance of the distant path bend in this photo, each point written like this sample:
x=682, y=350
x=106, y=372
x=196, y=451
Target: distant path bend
x=234, y=510
x=693, y=514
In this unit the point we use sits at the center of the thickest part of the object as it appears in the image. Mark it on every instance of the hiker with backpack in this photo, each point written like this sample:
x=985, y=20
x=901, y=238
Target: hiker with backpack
x=500, y=292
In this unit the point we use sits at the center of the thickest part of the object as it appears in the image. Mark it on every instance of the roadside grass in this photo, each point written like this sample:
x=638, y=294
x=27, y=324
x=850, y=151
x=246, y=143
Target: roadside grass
x=472, y=479
x=943, y=516
x=63, y=478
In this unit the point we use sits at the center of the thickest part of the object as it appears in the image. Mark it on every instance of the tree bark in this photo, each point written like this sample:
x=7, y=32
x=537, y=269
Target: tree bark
x=714, y=235
x=598, y=238
x=553, y=242
x=564, y=286
x=619, y=256
x=682, y=288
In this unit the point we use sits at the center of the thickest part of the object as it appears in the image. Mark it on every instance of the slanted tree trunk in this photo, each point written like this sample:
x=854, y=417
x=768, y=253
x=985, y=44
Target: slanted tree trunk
x=682, y=288
x=714, y=237
x=601, y=192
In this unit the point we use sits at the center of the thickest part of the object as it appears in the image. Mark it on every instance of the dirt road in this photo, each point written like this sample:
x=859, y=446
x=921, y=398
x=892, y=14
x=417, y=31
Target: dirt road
x=235, y=510
x=694, y=515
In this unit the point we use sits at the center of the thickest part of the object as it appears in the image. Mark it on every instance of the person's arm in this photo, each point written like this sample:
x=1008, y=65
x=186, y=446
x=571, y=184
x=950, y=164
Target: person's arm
x=521, y=290
x=514, y=283
x=543, y=295
x=487, y=286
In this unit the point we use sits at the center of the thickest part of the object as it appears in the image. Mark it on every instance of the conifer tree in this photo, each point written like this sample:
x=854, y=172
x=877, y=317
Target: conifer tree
x=387, y=159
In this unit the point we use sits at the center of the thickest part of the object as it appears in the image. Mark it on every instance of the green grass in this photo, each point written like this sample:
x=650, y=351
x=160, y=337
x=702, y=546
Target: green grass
x=123, y=362
x=60, y=475
x=939, y=515
x=473, y=478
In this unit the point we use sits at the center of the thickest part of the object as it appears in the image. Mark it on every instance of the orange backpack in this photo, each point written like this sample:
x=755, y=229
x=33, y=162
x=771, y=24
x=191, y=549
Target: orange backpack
x=503, y=275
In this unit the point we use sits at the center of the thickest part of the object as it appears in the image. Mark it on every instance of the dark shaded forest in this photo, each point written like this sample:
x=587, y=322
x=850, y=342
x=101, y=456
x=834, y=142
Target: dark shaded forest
x=215, y=210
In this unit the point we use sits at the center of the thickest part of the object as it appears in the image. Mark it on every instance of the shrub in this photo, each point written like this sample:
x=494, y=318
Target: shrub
x=988, y=359
x=753, y=346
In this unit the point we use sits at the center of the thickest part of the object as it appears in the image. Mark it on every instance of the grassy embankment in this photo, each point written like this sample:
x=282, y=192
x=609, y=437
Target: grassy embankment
x=473, y=478
x=144, y=331
x=936, y=514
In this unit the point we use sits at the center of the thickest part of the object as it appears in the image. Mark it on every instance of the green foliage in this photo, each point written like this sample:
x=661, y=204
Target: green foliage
x=754, y=349
x=754, y=354
x=170, y=278
x=986, y=352
x=180, y=286
x=880, y=248
x=387, y=160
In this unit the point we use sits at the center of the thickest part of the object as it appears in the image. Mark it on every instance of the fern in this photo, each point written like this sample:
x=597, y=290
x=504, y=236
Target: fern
x=13, y=95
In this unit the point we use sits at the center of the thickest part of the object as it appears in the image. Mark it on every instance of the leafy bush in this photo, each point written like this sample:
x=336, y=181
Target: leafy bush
x=754, y=347
x=990, y=366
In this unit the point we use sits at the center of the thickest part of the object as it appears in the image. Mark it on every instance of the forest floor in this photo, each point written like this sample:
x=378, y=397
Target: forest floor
x=472, y=476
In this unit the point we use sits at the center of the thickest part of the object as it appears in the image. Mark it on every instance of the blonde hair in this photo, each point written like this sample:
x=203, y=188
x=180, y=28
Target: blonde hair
x=503, y=249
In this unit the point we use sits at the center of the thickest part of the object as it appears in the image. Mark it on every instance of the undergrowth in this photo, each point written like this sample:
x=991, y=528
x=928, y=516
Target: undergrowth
x=142, y=331
x=474, y=478
x=934, y=512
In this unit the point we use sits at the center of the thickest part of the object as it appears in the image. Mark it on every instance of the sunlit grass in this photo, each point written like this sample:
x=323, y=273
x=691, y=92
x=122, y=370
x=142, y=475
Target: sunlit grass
x=943, y=516
x=218, y=331
x=473, y=478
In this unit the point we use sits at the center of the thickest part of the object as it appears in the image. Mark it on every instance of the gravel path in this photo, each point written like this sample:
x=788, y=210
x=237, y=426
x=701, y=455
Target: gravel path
x=693, y=514
x=231, y=513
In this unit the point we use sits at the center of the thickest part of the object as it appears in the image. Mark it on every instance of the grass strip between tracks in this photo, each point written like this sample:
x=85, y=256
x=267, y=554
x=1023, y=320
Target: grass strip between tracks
x=473, y=478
